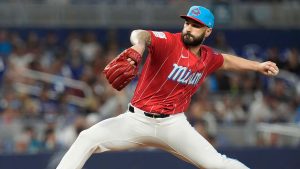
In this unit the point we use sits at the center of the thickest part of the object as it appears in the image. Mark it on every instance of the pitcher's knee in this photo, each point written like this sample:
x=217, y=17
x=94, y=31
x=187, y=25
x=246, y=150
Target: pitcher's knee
x=87, y=136
x=94, y=139
x=87, y=133
x=84, y=134
x=93, y=135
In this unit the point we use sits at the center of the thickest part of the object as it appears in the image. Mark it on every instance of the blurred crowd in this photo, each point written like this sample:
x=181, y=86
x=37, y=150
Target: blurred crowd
x=40, y=114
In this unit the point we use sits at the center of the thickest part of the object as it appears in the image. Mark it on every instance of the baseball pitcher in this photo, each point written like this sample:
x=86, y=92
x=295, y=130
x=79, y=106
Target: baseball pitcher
x=176, y=66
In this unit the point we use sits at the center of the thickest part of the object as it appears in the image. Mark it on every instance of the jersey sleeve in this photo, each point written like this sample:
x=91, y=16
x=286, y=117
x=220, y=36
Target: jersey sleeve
x=216, y=61
x=161, y=44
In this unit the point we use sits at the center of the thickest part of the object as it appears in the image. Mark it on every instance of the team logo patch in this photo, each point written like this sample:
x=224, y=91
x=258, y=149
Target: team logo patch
x=161, y=35
x=196, y=12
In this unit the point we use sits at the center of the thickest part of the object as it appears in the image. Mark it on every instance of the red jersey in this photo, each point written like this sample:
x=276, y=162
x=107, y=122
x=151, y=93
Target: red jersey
x=172, y=74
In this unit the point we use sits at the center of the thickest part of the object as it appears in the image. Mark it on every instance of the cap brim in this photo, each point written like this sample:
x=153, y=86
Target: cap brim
x=192, y=18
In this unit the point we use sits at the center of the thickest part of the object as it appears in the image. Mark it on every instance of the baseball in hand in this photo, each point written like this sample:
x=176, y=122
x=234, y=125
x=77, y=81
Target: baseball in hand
x=270, y=72
x=269, y=68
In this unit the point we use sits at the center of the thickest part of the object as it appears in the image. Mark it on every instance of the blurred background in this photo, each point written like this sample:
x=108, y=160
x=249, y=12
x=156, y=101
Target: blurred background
x=52, y=53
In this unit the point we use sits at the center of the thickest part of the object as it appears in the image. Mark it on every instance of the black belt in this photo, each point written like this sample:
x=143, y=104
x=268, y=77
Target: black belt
x=131, y=109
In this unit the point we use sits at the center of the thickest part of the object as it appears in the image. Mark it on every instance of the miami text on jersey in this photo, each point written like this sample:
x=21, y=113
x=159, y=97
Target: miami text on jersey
x=184, y=75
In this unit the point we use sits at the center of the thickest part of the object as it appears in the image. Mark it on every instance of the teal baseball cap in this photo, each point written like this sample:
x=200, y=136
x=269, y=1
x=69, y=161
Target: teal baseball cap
x=200, y=14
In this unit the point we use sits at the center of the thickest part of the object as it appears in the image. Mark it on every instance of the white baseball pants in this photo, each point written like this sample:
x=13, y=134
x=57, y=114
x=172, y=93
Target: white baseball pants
x=134, y=130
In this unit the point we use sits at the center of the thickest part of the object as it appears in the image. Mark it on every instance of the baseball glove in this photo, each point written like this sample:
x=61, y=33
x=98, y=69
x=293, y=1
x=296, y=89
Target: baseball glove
x=119, y=72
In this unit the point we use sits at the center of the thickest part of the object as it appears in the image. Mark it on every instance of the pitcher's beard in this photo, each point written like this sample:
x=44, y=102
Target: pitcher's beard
x=190, y=40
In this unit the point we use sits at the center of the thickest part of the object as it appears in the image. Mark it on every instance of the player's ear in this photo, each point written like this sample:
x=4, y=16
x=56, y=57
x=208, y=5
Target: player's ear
x=208, y=32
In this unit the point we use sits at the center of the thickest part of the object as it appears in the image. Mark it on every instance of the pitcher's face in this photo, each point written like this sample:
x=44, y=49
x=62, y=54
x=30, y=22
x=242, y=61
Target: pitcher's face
x=194, y=33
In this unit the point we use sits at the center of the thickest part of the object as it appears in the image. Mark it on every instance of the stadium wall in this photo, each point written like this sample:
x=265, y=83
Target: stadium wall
x=256, y=158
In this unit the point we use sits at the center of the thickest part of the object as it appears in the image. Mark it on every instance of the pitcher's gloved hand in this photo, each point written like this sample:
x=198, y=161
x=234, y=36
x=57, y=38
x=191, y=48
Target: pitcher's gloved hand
x=120, y=71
